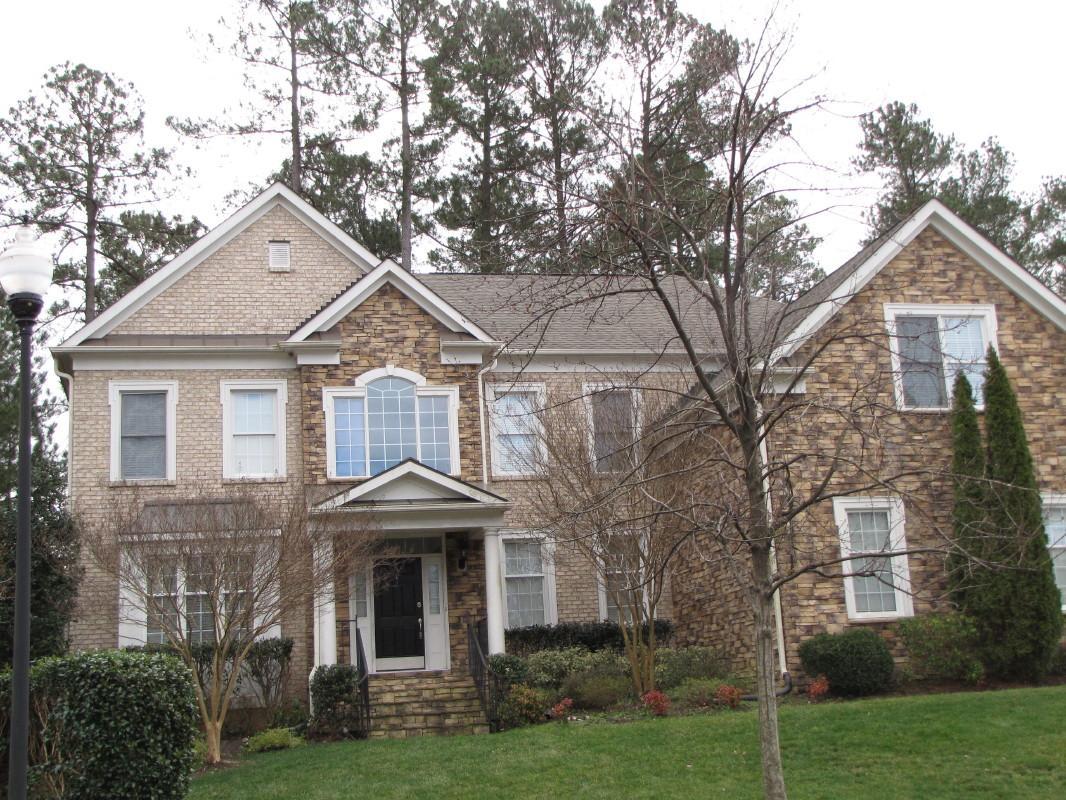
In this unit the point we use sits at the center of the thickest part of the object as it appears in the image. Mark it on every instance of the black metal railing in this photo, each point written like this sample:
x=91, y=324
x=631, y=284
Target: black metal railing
x=363, y=691
x=490, y=686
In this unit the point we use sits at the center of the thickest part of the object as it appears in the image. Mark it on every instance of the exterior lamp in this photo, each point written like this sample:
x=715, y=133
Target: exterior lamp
x=25, y=274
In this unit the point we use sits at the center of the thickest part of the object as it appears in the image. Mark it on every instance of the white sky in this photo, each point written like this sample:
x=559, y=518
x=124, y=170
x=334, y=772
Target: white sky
x=976, y=68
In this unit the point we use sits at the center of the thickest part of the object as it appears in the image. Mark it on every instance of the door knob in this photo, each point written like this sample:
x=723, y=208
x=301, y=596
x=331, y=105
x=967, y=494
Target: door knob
x=419, y=626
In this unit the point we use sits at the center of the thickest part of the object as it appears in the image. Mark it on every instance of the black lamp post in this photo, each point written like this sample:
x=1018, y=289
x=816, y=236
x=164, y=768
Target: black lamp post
x=25, y=273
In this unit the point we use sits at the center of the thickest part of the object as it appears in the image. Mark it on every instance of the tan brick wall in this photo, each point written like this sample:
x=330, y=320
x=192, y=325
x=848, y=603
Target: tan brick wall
x=232, y=291
x=929, y=270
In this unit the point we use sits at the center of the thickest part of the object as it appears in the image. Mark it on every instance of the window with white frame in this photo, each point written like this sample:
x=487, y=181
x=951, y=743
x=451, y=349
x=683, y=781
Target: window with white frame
x=621, y=577
x=163, y=603
x=876, y=585
x=934, y=343
x=612, y=416
x=143, y=430
x=516, y=434
x=389, y=417
x=526, y=582
x=253, y=429
x=189, y=594
x=1055, y=528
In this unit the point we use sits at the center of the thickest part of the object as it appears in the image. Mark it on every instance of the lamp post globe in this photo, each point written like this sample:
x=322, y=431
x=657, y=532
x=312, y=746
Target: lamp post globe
x=25, y=273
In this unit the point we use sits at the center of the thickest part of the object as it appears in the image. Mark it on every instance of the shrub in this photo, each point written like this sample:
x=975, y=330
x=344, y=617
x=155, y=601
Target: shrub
x=942, y=647
x=549, y=668
x=695, y=692
x=856, y=662
x=562, y=708
x=728, y=696
x=509, y=667
x=292, y=715
x=273, y=739
x=524, y=705
x=110, y=724
x=1058, y=663
x=267, y=669
x=674, y=667
x=818, y=688
x=656, y=702
x=334, y=702
x=588, y=635
x=597, y=690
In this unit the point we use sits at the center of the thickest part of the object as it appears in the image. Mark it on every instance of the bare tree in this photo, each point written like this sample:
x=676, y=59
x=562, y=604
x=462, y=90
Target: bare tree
x=211, y=574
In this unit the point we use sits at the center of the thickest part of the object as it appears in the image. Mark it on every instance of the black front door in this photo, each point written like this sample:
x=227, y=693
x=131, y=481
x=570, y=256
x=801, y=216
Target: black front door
x=398, y=609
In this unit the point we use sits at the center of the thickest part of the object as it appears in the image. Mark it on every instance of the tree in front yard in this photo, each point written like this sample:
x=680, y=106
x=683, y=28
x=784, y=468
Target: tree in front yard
x=968, y=472
x=1013, y=599
x=207, y=576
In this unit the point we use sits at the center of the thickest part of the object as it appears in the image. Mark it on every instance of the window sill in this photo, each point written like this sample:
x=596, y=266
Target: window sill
x=143, y=482
x=515, y=477
x=938, y=410
x=231, y=479
x=877, y=620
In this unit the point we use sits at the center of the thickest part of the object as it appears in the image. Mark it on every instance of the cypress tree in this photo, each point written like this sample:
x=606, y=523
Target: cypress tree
x=968, y=470
x=1016, y=605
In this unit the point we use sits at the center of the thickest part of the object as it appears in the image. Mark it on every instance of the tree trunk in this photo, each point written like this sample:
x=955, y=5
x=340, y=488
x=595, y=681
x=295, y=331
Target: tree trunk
x=213, y=740
x=773, y=776
x=406, y=156
x=296, y=161
x=91, y=223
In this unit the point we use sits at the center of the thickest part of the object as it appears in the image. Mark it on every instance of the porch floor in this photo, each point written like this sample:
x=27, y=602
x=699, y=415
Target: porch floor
x=406, y=704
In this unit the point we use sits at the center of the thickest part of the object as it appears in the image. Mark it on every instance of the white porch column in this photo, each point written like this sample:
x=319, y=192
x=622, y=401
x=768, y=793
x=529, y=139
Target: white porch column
x=493, y=592
x=325, y=611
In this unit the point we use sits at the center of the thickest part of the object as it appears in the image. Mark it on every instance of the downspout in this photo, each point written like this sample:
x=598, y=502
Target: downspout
x=481, y=417
x=69, y=386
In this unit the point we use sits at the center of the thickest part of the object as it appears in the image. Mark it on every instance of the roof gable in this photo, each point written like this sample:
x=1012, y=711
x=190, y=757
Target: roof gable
x=276, y=195
x=880, y=253
x=411, y=482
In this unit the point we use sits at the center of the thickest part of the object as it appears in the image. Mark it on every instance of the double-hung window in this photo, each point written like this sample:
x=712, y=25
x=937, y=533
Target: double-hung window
x=1055, y=528
x=876, y=584
x=163, y=605
x=526, y=582
x=934, y=343
x=253, y=429
x=621, y=578
x=516, y=433
x=184, y=597
x=612, y=414
x=383, y=421
x=143, y=430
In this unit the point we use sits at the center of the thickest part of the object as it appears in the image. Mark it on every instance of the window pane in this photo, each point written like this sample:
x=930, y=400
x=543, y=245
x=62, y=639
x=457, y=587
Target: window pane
x=253, y=411
x=921, y=363
x=869, y=531
x=143, y=449
x=144, y=413
x=514, y=412
x=1055, y=526
x=433, y=582
x=254, y=455
x=612, y=426
x=874, y=592
x=144, y=457
x=525, y=602
x=517, y=453
x=361, y=610
x=963, y=339
x=350, y=447
x=435, y=432
x=199, y=620
x=391, y=422
x=523, y=558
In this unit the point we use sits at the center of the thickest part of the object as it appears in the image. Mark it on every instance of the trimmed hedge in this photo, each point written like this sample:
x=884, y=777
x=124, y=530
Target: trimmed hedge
x=589, y=635
x=674, y=666
x=856, y=662
x=109, y=724
x=334, y=702
x=942, y=647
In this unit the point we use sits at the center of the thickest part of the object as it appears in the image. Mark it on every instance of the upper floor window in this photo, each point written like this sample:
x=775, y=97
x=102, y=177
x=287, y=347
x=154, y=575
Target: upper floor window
x=934, y=343
x=253, y=429
x=1055, y=528
x=516, y=434
x=612, y=416
x=877, y=585
x=388, y=418
x=143, y=430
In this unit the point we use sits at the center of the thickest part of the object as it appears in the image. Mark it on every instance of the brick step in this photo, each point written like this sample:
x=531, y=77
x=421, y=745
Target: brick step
x=407, y=733
x=415, y=709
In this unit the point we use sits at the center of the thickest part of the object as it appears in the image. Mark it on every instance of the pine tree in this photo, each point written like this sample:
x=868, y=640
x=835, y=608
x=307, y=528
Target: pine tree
x=968, y=472
x=1014, y=602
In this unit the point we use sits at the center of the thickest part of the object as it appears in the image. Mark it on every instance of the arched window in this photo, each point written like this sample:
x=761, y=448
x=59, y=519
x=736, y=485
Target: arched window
x=386, y=420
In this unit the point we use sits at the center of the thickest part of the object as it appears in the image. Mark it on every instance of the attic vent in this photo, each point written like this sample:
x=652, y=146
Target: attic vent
x=278, y=256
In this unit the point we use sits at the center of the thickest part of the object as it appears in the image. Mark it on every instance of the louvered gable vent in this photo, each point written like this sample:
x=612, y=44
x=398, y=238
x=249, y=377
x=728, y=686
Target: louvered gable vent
x=279, y=260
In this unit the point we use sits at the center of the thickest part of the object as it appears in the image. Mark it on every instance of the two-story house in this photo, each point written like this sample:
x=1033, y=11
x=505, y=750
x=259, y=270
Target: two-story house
x=278, y=355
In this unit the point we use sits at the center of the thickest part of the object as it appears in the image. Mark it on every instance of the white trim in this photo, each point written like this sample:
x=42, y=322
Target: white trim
x=960, y=234
x=141, y=359
x=897, y=542
x=1056, y=500
x=547, y=558
x=986, y=313
x=279, y=259
x=281, y=398
x=497, y=390
x=388, y=272
x=276, y=195
x=389, y=371
x=115, y=389
x=596, y=361
x=419, y=470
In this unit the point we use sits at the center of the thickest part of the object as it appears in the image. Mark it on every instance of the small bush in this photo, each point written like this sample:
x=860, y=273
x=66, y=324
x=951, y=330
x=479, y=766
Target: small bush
x=856, y=662
x=728, y=696
x=592, y=636
x=292, y=715
x=267, y=669
x=524, y=705
x=597, y=690
x=334, y=702
x=674, y=666
x=942, y=647
x=1058, y=662
x=510, y=667
x=562, y=708
x=818, y=689
x=656, y=702
x=548, y=669
x=707, y=693
x=273, y=739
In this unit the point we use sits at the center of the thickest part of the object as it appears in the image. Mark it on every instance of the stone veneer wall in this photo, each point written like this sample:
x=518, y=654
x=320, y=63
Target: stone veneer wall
x=711, y=608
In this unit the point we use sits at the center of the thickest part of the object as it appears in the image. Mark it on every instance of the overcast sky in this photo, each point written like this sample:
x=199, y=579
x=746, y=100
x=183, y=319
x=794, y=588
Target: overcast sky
x=977, y=68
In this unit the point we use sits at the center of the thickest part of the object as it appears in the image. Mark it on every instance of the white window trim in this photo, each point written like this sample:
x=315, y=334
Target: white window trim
x=601, y=594
x=115, y=390
x=588, y=390
x=331, y=393
x=497, y=390
x=280, y=387
x=1049, y=499
x=547, y=555
x=897, y=542
x=989, y=329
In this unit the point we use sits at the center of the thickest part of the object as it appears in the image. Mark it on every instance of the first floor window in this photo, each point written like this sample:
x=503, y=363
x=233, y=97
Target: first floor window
x=184, y=596
x=877, y=584
x=1055, y=527
x=621, y=577
x=163, y=603
x=525, y=580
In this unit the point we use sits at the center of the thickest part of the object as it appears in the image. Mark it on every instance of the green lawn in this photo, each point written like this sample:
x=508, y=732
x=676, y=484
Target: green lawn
x=1009, y=744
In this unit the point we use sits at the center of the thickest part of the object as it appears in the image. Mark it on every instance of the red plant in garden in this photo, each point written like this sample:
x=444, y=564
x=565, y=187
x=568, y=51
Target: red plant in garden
x=562, y=708
x=728, y=696
x=656, y=702
x=818, y=688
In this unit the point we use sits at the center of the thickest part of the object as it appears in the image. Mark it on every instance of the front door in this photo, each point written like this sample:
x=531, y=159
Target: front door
x=399, y=639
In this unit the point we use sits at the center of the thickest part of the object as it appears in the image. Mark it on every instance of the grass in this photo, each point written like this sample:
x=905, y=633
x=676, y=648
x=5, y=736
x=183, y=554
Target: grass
x=1007, y=744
